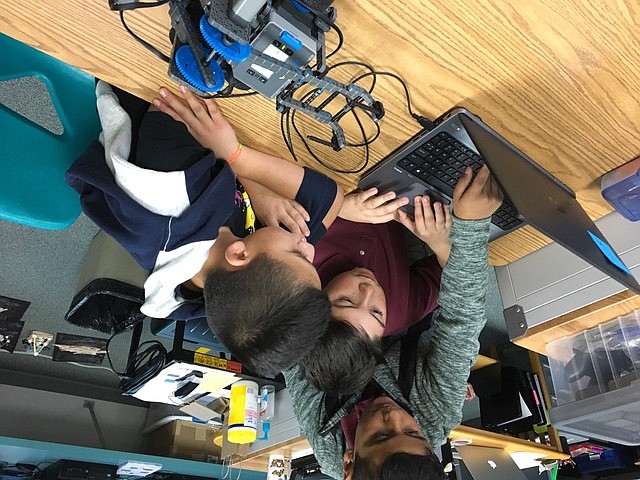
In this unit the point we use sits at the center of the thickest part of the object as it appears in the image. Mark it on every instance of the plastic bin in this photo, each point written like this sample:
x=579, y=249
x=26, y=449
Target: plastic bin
x=110, y=288
x=596, y=361
x=613, y=416
x=621, y=338
x=631, y=331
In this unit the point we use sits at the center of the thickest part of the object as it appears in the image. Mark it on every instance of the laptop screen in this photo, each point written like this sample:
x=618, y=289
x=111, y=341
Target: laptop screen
x=546, y=203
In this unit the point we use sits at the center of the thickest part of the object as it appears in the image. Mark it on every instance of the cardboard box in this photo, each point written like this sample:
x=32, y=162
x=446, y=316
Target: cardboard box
x=184, y=439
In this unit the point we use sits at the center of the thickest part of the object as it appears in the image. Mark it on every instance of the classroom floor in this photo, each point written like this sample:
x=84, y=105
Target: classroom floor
x=42, y=267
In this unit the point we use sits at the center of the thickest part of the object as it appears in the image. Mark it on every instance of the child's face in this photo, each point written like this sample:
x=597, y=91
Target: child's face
x=357, y=298
x=386, y=428
x=291, y=249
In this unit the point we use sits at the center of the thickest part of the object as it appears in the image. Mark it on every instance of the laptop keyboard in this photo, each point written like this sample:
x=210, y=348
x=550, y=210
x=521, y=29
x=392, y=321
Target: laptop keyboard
x=441, y=161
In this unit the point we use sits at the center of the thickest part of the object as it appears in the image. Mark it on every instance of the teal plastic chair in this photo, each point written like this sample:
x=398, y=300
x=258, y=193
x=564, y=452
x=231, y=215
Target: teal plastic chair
x=33, y=159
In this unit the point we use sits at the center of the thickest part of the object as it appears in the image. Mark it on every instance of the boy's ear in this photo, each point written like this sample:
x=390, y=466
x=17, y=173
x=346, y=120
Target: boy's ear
x=236, y=254
x=347, y=464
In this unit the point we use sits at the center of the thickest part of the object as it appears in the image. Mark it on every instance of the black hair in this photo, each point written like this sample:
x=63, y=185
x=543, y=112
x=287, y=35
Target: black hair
x=400, y=466
x=264, y=315
x=343, y=360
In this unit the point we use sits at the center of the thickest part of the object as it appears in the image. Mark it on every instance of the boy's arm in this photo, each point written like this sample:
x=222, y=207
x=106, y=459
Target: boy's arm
x=443, y=363
x=288, y=180
x=208, y=126
x=308, y=407
x=424, y=287
x=274, y=210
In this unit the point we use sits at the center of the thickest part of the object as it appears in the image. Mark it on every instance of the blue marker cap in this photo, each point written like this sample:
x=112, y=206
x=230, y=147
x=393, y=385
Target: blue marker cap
x=266, y=426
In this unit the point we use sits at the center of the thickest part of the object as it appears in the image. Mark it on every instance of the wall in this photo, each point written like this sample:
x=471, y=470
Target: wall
x=35, y=414
x=553, y=281
x=284, y=425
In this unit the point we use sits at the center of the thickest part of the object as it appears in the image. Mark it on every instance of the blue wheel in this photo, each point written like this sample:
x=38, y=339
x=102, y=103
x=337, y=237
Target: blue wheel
x=186, y=63
x=236, y=52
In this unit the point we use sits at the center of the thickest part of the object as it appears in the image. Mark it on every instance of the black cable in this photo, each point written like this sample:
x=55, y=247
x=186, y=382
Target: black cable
x=370, y=140
x=422, y=120
x=141, y=360
x=114, y=5
x=287, y=120
x=144, y=365
x=285, y=138
x=356, y=62
x=234, y=95
x=365, y=143
x=331, y=24
x=140, y=40
x=134, y=363
x=340, y=40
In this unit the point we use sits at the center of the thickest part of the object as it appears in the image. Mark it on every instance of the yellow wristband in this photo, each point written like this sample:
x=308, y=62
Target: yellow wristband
x=234, y=156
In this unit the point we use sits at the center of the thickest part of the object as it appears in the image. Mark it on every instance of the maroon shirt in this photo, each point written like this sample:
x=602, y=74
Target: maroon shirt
x=411, y=291
x=349, y=424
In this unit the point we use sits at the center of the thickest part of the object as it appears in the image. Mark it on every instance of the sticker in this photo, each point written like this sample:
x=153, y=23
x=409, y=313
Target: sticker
x=608, y=252
x=215, y=362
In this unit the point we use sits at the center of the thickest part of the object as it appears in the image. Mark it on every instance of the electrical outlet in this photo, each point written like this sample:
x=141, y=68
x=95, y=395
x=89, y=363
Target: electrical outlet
x=138, y=469
x=37, y=341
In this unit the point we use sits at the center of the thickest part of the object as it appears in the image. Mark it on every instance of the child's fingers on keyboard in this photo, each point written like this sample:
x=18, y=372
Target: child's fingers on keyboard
x=463, y=184
x=419, y=213
x=438, y=215
x=367, y=194
x=391, y=207
x=375, y=201
x=406, y=220
x=447, y=216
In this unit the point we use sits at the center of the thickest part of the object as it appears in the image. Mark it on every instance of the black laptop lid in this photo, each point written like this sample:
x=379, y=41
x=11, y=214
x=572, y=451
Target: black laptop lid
x=545, y=203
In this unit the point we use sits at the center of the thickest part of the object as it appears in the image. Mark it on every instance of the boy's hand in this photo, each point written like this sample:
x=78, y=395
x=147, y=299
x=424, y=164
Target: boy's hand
x=476, y=198
x=367, y=207
x=273, y=210
x=431, y=226
x=202, y=118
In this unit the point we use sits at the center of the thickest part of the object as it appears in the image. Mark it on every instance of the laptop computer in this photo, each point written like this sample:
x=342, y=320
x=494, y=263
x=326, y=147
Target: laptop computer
x=431, y=163
x=486, y=463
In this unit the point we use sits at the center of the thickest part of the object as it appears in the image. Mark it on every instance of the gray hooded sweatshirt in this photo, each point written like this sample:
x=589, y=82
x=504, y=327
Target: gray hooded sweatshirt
x=443, y=361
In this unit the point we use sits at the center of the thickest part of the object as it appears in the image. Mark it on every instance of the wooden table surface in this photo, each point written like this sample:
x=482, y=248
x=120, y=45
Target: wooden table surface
x=561, y=80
